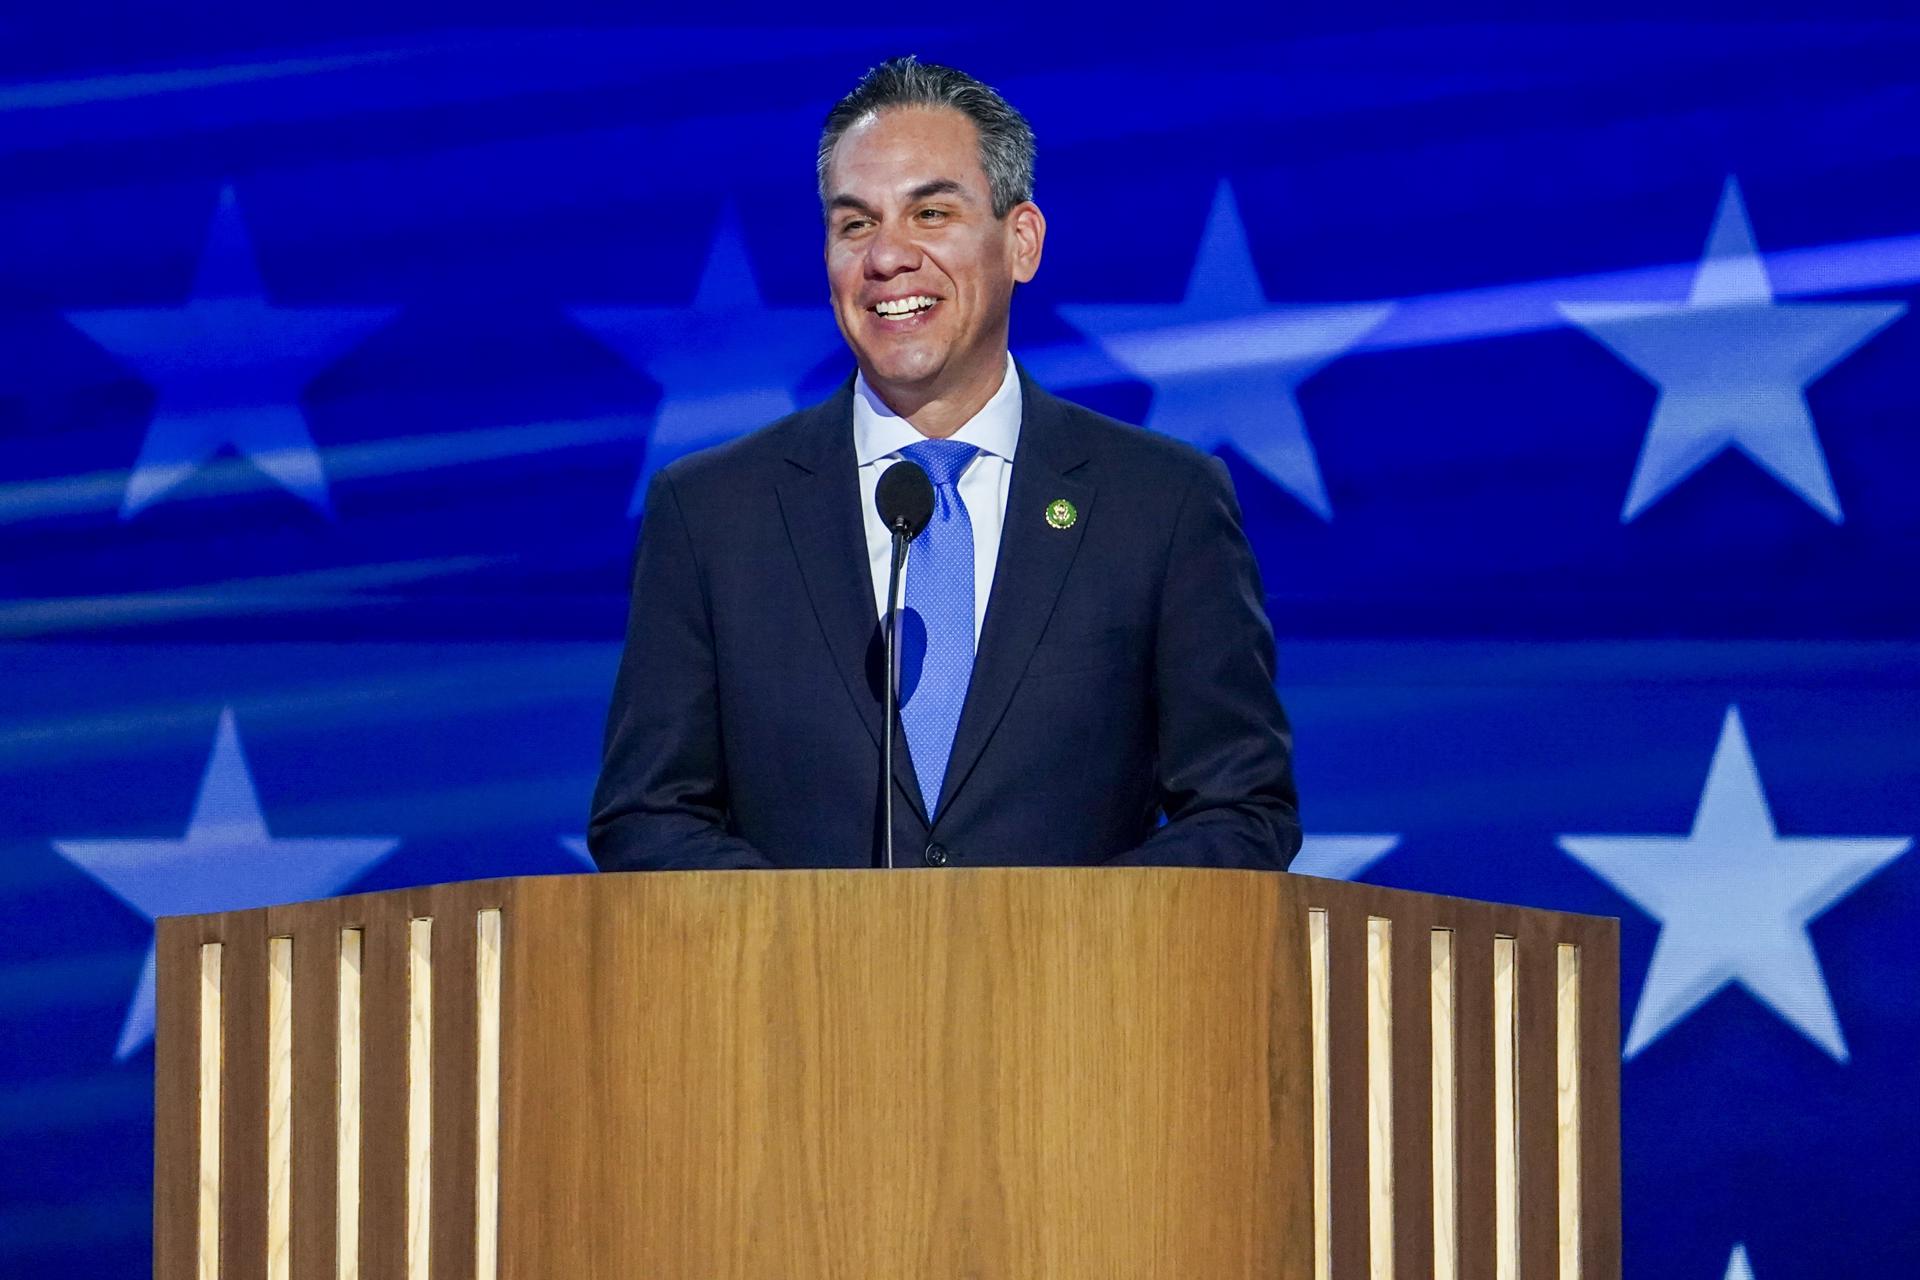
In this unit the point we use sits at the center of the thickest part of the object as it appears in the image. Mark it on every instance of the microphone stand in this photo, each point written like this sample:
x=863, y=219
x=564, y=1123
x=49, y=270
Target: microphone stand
x=892, y=697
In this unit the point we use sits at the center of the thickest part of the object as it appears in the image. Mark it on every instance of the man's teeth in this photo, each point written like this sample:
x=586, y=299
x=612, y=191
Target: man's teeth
x=904, y=306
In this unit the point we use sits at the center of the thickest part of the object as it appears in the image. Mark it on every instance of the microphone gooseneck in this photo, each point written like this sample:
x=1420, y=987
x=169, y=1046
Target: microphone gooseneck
x=904, y=499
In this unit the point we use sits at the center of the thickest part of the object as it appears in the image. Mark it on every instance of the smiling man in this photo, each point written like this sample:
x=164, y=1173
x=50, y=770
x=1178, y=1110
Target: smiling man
x=1089, y=668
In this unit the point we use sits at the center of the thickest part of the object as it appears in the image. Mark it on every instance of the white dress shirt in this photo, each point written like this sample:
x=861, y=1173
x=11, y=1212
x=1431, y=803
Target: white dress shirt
x=878, y=436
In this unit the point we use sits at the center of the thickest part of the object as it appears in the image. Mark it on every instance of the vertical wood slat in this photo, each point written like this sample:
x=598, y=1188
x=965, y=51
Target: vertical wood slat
x=1506, y=1110
x=210, y=1091
x=1347, y=1090
x=1380, y=1093
x=1539, y=1154
x=1473, y=1004
x=311, y=1145
x=1321, y=1035
x=455, y=1042
x=490, y=941
x=280, y=1050
x=383, y=1085
x=1443, y=1095
x=1600, y=1103
x=1567, y=1071
x=176, y=1086
x=419, y=1097
x=243, y=1118
x=350, y=1064
x=1413, y=1093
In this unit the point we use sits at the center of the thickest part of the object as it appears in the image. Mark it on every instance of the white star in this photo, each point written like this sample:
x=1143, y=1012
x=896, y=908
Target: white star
x=1340, y=857
x=225, y=862
x=1733, y=899
x=1737, y=1268
x=227, y=370
x=1224, y=362
x=727, y=363
x=1732, y=366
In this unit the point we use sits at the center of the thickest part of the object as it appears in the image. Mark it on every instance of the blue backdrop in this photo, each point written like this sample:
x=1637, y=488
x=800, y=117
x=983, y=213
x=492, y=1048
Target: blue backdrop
x=1565, y=372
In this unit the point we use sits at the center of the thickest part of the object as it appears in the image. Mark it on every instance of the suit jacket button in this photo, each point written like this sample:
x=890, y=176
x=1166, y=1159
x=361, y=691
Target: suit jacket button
x=936, y=855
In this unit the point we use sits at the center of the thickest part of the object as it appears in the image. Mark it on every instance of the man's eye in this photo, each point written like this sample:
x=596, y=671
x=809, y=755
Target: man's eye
x=851, y=225
x=932, y=215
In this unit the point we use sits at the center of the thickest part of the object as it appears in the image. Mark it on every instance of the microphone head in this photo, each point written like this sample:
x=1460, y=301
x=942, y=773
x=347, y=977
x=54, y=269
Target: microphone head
x=904, y=498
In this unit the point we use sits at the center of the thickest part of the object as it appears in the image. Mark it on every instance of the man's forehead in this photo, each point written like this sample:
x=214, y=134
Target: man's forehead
x=902, y=149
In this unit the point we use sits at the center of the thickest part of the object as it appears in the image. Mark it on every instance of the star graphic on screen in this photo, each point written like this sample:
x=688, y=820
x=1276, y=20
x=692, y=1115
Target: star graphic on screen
x=1732, y=366
x=1737, y=1268
x=227, y=370
x=577, y=846
x=726, y=363
x=1340, y=857
x=225, y=862
x=1224, y=362
x=1733, y=898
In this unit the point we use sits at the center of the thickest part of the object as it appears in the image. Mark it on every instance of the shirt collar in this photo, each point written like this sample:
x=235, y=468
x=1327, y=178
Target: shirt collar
x=879, y=432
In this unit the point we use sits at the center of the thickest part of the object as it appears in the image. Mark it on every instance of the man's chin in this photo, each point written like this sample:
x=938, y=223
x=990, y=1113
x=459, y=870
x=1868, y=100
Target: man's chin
x=904, y=370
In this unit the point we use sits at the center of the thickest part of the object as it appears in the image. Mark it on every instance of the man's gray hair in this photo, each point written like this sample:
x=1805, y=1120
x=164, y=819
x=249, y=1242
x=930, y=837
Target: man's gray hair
x=1006, y=139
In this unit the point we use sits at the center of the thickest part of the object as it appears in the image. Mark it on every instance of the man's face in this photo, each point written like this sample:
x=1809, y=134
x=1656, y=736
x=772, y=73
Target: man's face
x=922, y=272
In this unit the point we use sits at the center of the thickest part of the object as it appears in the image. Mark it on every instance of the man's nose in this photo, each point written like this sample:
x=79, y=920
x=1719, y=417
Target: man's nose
x=891, y=252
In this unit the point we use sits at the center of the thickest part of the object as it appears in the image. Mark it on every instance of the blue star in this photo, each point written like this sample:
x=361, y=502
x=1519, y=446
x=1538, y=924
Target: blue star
x=225, y=862
x=1734, y=898
x=1732, y=366
x=1224, y=362
x=227, y=370
x=1341, y=857
x=727, y=363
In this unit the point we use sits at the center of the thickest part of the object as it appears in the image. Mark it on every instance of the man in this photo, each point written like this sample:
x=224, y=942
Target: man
x=1089, y=669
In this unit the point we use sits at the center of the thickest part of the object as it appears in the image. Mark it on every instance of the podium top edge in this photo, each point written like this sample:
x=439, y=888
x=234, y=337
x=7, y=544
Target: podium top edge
x=499, y=889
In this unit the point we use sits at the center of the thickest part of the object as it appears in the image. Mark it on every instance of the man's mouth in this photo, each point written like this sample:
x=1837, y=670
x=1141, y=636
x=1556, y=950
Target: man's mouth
x=904, y=308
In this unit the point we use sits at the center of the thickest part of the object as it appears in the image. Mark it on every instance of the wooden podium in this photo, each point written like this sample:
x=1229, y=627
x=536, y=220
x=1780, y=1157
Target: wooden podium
x=990, y=1074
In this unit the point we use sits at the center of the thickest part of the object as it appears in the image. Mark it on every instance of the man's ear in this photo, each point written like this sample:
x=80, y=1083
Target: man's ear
x=1029, y=237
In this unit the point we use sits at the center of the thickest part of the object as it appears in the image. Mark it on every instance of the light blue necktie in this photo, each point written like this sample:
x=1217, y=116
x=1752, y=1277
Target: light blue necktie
x=940, y=590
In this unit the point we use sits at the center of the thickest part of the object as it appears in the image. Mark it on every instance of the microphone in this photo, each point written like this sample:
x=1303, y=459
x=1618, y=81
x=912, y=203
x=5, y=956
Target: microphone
x=904, y=498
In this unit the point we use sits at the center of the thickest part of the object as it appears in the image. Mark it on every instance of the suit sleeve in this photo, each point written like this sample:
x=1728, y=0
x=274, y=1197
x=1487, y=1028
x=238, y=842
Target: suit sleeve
x=661, y=802
x=1225, y=750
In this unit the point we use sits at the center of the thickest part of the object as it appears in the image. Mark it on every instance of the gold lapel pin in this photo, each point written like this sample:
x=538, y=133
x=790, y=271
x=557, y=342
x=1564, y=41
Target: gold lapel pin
x=1061, y=514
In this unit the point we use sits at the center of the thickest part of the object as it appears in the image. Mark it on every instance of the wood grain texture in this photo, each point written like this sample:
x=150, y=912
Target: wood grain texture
x=1318, y=978
x=972, y=1074
x=383, y=1084
x=1600, y=1099
x=176, y=1104
x=1413, y=1091
x=1567, y=1071
x=1347, y=1092
x=1537, y=989
x=315, y=1064
x=1444, y=1132
x=1473, y=1060
x=454, y=1042
x=986, y=1073
x=279, y=1106
x=491, y=953
x=243, y=1105
x=1381, y=1218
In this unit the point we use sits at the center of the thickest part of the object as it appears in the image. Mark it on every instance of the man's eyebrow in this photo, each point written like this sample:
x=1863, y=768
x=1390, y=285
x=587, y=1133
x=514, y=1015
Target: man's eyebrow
x=938, y=187
x=935, y=187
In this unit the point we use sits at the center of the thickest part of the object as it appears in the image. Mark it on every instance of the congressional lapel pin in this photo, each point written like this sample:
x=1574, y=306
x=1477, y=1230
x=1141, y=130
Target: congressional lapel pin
x=1061, y=514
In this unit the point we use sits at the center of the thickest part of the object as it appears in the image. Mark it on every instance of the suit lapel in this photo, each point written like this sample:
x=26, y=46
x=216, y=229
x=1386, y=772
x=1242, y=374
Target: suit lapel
x=820, y=502
x=1027, y=576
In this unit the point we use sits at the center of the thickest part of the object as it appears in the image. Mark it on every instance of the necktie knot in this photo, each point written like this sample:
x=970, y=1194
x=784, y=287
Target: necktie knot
x=943, y=460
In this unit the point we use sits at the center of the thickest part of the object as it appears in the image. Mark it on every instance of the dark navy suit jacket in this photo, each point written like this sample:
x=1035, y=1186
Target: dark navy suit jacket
x=1125, y=669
